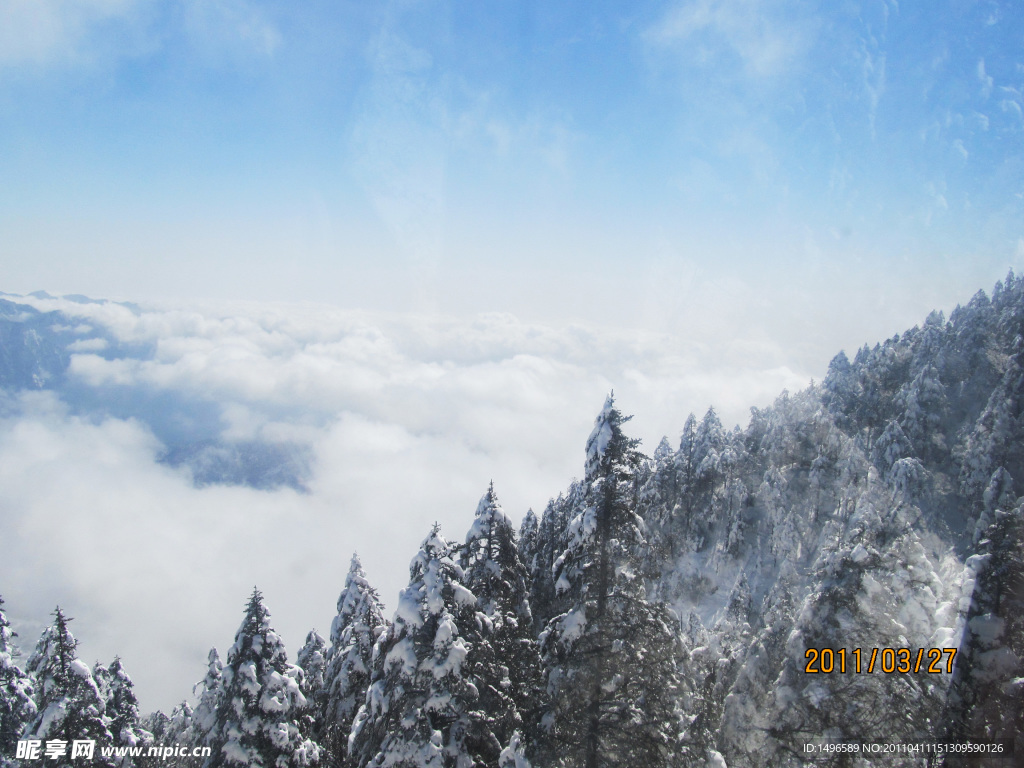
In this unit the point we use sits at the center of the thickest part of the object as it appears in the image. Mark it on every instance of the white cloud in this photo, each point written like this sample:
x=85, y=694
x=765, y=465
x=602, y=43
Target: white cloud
x=761, y=33
x=219, y=25
x=985, y=80
x=87, y=345
x=1008, y=105
x=47, y=33
x=873, y=71
x=400, y=147
x=43, y=32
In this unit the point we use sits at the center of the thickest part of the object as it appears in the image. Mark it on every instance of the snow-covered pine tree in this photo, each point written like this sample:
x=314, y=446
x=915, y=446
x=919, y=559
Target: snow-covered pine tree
x=68, y=702
x=101, y=675
x=159, y=724
x=658, y=498
x=202, y=722
x=925, y=408
x=122, y=711
x=180, y=728
x=528, y=542
x=986, y=700
x=354, y=632
x=505, y=666
x=709, y=444
x=875, y=583
x=542, y=585
x=611, y=658
x=16, y=705
x=415, y=714
x=545, y=600
x=312, y=660
x=686, y=463
x=260, y=714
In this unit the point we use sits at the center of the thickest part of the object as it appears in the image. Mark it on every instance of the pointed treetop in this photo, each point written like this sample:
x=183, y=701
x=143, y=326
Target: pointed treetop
x=488, y=502
x=490, y=526
x=351, y=597
x=529, y=519
x=664, y=450
x=255, y=607
x=59, y=619
x=60, y=623
x=6, y=633
x=255, y=621
x=607, y=441
x=434, y=546
x=435, y=541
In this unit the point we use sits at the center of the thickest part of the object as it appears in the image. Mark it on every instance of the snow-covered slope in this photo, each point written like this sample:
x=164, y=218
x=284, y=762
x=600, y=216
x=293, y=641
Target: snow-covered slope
x=877, y=510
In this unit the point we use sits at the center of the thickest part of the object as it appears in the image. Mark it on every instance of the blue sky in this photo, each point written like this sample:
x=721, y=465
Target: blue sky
x=495, y=155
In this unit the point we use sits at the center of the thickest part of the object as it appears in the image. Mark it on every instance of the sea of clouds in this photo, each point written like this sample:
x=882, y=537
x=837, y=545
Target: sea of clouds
x=392, y=422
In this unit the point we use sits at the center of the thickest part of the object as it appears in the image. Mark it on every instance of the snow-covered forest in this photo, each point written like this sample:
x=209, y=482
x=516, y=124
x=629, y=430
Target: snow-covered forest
x=659, y=611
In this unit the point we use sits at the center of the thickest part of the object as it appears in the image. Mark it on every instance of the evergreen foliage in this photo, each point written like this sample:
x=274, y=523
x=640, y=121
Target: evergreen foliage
x=987, y=696
x=354, y=632
x=17, y=707
x=504, y=665
x=611, y=657
x=417, y=705
x=68, y=702
x=312, y=660
x=198, y=727
x=122, y=711
x=260, y=712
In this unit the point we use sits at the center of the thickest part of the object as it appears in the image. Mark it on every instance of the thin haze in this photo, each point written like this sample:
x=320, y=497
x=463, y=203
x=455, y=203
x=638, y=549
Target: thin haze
x=502, y=210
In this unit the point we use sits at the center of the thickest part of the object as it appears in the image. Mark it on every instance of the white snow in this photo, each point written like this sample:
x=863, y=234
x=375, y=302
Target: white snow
x=987, y=629
x=81, y=669
x=402, y=653
x=463, y=596
x=572, y=626
x=599, y=438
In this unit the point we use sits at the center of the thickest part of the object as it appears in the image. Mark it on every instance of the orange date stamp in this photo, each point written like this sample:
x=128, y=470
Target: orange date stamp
x=888, y=660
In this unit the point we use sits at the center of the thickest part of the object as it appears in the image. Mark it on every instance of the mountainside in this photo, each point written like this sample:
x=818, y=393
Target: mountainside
x=875, y=510
x=848, y=568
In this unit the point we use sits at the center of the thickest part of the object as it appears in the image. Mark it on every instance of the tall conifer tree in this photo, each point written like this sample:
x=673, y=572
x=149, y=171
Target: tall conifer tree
x=69, y=705
x=16, y=705
x=354, y=632
x=611, y=656
x=122, y=711
x=504, y=665
x=260, y=713
x=416, y=710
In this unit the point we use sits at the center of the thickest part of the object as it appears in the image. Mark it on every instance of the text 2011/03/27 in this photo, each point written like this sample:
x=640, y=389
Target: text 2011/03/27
x=889, y=660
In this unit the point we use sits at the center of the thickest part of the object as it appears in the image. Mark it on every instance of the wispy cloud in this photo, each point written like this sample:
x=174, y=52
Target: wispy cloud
x=45, y=32
x=232, y=25
x=764, y=37
x=985, y=80
x=400, y=148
